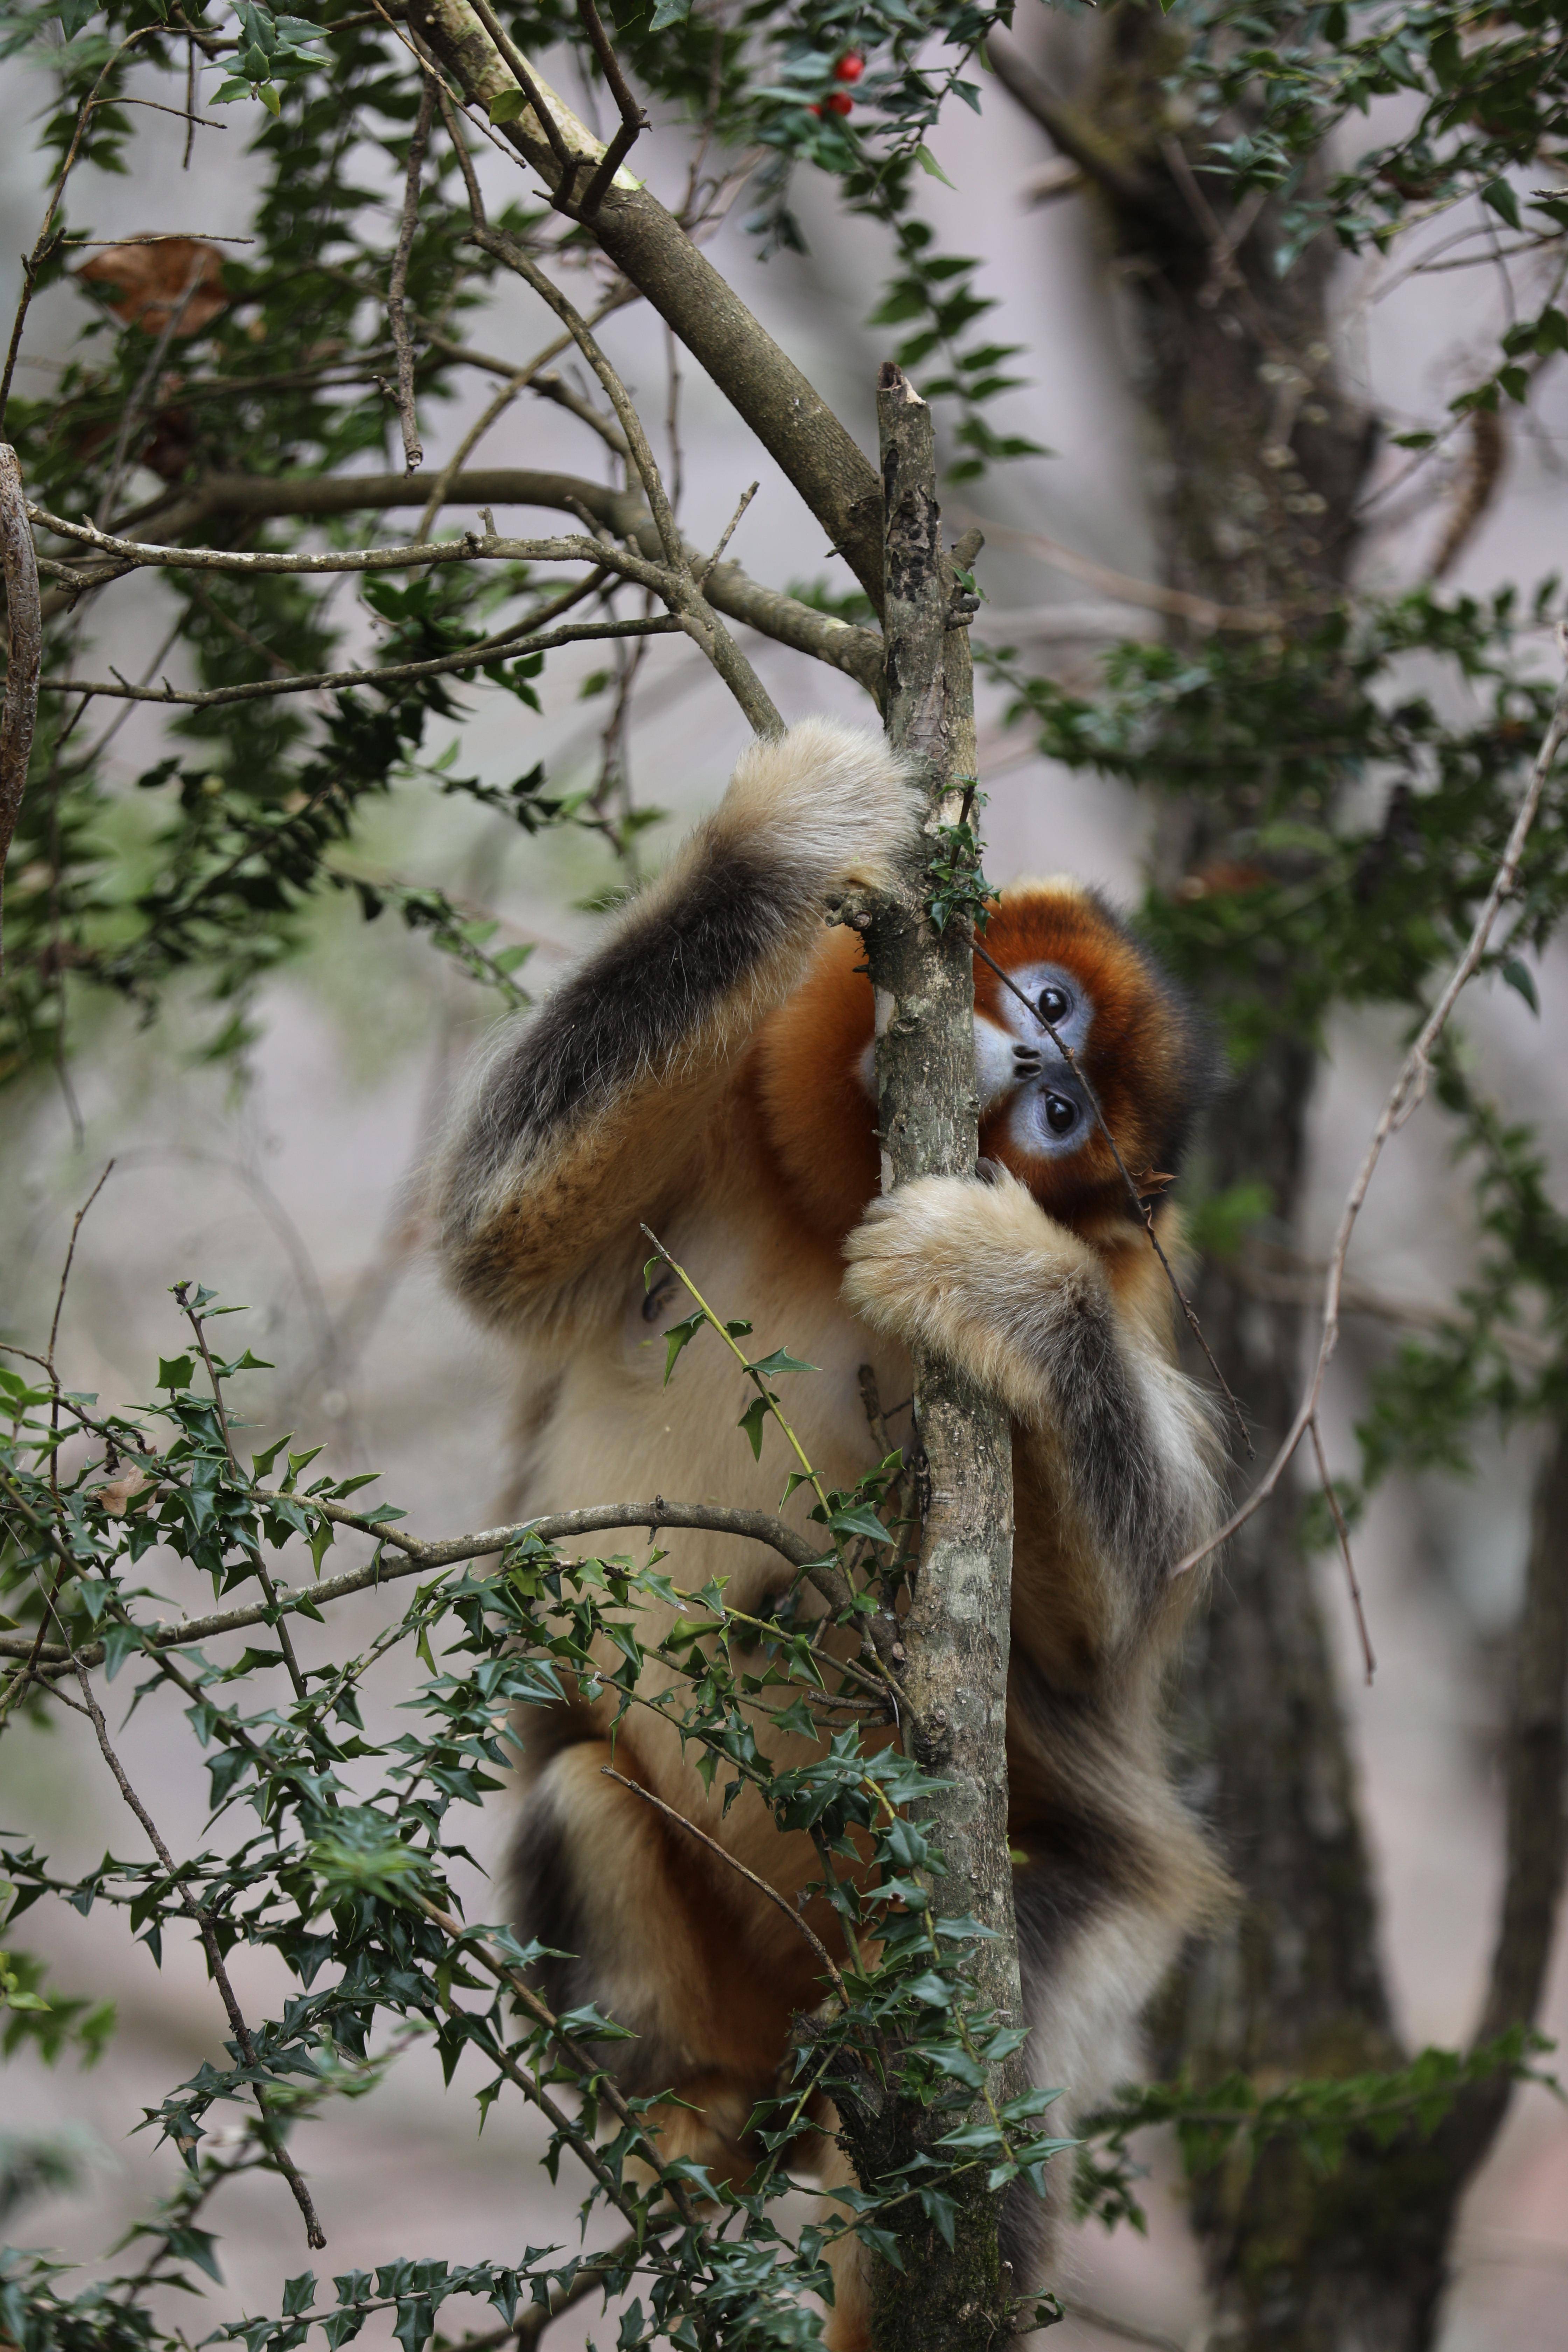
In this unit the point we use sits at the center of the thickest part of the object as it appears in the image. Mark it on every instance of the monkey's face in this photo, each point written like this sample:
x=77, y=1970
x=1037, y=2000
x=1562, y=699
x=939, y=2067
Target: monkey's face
x=1087, y=1018
x=1131, y=1036
x=1024, y=1077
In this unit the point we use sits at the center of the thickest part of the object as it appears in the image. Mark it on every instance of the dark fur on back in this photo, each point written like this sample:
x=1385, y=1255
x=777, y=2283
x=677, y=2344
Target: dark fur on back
x=624, y=1016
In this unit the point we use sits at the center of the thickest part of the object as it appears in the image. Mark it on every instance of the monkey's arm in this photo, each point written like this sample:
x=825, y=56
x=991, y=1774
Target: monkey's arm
x=980, y=1272
x=593, y=1115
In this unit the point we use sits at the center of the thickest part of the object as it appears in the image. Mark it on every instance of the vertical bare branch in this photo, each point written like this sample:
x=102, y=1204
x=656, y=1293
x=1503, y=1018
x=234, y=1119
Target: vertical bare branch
x=956, y=1634
x=19, y=565
x=396, y=294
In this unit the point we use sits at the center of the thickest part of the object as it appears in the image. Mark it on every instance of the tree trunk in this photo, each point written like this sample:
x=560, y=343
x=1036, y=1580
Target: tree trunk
x=956, y=1632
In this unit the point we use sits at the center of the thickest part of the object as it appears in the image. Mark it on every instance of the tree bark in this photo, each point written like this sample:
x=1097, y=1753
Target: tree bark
x=956, y=1634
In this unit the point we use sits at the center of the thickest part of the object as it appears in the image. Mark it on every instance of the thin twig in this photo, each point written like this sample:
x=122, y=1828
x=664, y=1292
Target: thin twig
x=333, y=681
x=190, y=103
x=315, y=2233
x=64, y=1566
x=1285, y=1278
x=672, y=418
x=726, y=535
x=633, y=119
x=1201, y=612
x=397, y=290
x=1404, y=1095
x=459, y=144
x=477, y=1943
x=782, y=1902
x=555, y=388
x=1344, y=1533
x=524, y=376
x=680, y=590
x=70, y=1257
x=19, y=566
x=45, y=238
x=517, y=67
x=1126, y=2330
x=157, y=555
x=285, y=1642
x=420, y=1558
x=518, y=260
x=135, y=406
x=1140, y=1204
x=154, y=237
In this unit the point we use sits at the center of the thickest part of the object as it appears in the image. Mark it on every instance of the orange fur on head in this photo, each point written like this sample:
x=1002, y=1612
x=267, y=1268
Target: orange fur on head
x=819, y=1119
x=1143, y=1057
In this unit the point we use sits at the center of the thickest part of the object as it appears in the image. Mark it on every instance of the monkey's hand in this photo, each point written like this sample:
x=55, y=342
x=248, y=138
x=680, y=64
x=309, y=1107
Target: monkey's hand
x=821, y=807
x=978, y=1273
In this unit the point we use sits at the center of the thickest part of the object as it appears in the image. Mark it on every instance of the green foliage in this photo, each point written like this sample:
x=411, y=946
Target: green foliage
x=1313, y=904
x=956, y=885
x=50, y=2023
x=1327, y=2117
x=353, y=1890
x=1479, y=100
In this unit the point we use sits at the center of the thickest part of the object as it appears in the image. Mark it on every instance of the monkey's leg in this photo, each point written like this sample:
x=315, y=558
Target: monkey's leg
x=652, y=1942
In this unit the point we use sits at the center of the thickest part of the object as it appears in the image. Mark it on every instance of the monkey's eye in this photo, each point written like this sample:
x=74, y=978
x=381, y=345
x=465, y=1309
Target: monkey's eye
x=1055, y=1004
x=1061, y=1113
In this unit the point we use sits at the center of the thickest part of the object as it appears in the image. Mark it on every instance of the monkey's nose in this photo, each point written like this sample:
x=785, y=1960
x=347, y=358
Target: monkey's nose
x=1026, y=1062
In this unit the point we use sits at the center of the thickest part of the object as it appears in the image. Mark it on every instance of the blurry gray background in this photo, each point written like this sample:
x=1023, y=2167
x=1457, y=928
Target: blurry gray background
x=301, y=1192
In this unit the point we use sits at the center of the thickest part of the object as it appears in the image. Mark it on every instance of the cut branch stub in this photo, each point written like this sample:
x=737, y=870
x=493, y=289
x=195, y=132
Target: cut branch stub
x=914, y=585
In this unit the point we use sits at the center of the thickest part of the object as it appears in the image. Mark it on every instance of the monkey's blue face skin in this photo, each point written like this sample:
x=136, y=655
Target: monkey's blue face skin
x=1049, y=1117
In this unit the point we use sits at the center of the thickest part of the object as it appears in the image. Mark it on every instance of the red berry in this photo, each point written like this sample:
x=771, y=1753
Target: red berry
x=814, y=109
x=840, y=102
x=849, y=67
